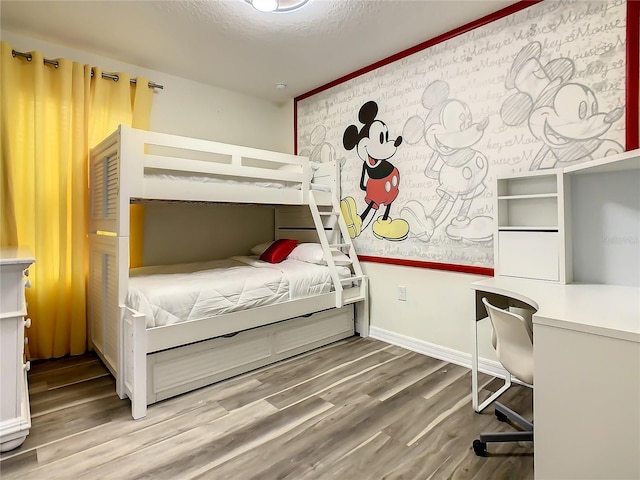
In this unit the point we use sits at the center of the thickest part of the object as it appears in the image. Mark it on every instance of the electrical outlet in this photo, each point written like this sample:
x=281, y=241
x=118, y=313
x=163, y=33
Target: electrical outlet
x=402, y=293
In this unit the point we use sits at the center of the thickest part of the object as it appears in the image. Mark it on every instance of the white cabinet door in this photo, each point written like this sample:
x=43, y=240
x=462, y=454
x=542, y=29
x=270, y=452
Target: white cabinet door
x=529, y=254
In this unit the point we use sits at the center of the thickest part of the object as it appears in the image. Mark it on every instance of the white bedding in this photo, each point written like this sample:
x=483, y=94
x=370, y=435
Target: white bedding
x=204, y=178
x=169, y=294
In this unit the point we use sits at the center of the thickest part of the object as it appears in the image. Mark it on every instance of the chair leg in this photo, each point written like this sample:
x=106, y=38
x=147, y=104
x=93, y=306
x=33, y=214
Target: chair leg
x=504, y=414
x=480, y=445
x=506, y=437
x=513, y=416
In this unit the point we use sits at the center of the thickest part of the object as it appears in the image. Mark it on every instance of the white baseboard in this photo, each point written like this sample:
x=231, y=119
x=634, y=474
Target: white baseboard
x=490, y=367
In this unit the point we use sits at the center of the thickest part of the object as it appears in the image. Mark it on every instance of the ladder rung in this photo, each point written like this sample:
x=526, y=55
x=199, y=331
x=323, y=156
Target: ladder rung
x=328, y=213
x=339, y=245
x=355, y=278
x=347, y=301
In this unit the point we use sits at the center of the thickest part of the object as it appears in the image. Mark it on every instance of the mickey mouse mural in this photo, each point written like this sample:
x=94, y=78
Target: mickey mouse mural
x=459, y=169
x=562, y=114
x=320, y=151
x=380, y=179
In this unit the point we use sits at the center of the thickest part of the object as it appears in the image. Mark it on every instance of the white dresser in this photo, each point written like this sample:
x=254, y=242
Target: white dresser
x=15, y=419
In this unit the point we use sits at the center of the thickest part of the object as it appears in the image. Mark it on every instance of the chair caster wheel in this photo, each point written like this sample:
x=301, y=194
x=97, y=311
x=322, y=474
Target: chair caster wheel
x=501, y=416
x=480, y=448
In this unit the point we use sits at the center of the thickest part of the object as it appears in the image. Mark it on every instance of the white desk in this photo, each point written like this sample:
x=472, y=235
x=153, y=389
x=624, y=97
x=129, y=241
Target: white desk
x=587, y=375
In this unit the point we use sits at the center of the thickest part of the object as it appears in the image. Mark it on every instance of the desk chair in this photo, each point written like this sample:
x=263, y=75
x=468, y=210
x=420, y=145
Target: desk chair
x=513, y=341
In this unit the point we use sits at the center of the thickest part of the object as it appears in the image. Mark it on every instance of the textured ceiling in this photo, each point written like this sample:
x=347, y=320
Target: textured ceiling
x=229, y=44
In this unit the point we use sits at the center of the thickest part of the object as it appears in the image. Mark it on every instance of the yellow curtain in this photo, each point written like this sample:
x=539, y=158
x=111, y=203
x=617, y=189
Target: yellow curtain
x=49, y=119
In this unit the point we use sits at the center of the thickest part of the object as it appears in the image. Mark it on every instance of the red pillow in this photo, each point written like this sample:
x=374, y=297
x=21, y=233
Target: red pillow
x=279, y=250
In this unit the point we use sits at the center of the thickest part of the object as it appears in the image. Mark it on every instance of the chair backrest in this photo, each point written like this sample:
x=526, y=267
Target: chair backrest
x=514, y=342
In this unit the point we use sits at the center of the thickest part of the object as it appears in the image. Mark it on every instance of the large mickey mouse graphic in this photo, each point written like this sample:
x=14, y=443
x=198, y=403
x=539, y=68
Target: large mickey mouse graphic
x=460, y=169
x=379, y=180
x=561, y=113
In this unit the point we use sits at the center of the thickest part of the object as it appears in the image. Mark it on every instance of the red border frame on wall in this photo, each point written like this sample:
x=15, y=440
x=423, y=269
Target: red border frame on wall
x=633, y=67
x=631, y=114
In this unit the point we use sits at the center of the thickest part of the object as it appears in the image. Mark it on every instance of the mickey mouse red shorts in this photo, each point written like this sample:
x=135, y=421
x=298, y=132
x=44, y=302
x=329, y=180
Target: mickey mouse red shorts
x=383, y=191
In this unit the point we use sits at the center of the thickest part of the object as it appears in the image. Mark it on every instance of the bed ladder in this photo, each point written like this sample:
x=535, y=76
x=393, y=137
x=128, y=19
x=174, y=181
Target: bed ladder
x=344, y=245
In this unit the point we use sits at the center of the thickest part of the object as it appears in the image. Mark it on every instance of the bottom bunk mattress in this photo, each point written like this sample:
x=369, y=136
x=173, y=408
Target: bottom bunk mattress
x=170, y=294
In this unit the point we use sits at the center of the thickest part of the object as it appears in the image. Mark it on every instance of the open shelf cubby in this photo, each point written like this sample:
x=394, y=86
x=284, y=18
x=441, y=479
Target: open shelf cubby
x=533, y=184
x=539, y=213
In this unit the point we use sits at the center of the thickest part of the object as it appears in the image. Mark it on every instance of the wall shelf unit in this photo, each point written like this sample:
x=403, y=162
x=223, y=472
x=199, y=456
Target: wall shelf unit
x=577, y=224
x=530, y=234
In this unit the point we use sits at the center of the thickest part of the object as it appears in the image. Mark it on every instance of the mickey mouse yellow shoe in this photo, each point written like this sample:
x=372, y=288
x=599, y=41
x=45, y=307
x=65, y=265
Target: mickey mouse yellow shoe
x=351, y=217
x=421, y=225
x=394, y=230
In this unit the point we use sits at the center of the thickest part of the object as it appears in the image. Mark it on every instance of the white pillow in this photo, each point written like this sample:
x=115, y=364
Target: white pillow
x=259, y=249
x=312, y=253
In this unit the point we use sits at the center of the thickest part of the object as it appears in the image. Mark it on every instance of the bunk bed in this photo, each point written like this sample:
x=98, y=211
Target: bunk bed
x=152, y=360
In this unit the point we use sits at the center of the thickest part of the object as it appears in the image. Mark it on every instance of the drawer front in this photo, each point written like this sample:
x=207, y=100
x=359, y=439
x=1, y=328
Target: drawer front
x=529, y=255
x=12, y=291
x=11, y=365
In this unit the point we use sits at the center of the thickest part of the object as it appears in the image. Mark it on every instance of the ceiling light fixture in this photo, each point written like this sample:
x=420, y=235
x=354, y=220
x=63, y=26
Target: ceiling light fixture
x=277, y=6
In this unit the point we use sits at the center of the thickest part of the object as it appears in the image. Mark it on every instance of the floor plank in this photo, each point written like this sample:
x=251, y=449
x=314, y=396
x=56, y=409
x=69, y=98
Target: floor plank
x=355, y=410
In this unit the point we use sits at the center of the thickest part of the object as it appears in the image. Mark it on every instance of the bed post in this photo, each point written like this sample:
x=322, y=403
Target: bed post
x=121, y=276
x=135, y=361
x=362, y=309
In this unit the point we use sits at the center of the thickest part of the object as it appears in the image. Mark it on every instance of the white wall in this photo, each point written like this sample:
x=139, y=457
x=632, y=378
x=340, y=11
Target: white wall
x=437, y=315
x=197, y=232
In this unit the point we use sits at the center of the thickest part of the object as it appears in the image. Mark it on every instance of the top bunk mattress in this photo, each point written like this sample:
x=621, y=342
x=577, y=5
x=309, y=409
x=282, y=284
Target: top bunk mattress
x=170, y=294
x=151, y=174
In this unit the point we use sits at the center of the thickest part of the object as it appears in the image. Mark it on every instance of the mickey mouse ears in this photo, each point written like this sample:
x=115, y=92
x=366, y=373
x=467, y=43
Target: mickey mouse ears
x=528, y=75
x=368, y=112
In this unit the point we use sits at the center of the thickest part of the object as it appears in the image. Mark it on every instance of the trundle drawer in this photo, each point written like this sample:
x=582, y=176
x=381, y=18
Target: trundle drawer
x=186, y=368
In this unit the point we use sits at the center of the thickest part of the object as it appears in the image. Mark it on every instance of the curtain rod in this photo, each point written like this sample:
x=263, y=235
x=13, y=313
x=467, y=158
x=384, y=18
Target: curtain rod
x=15, y=53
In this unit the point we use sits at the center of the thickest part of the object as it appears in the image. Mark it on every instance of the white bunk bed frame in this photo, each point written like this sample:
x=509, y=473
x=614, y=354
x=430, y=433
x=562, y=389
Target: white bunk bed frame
x=152, y=364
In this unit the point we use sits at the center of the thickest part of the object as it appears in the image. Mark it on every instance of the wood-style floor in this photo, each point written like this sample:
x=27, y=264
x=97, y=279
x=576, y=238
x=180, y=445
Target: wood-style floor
x=354, y=410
